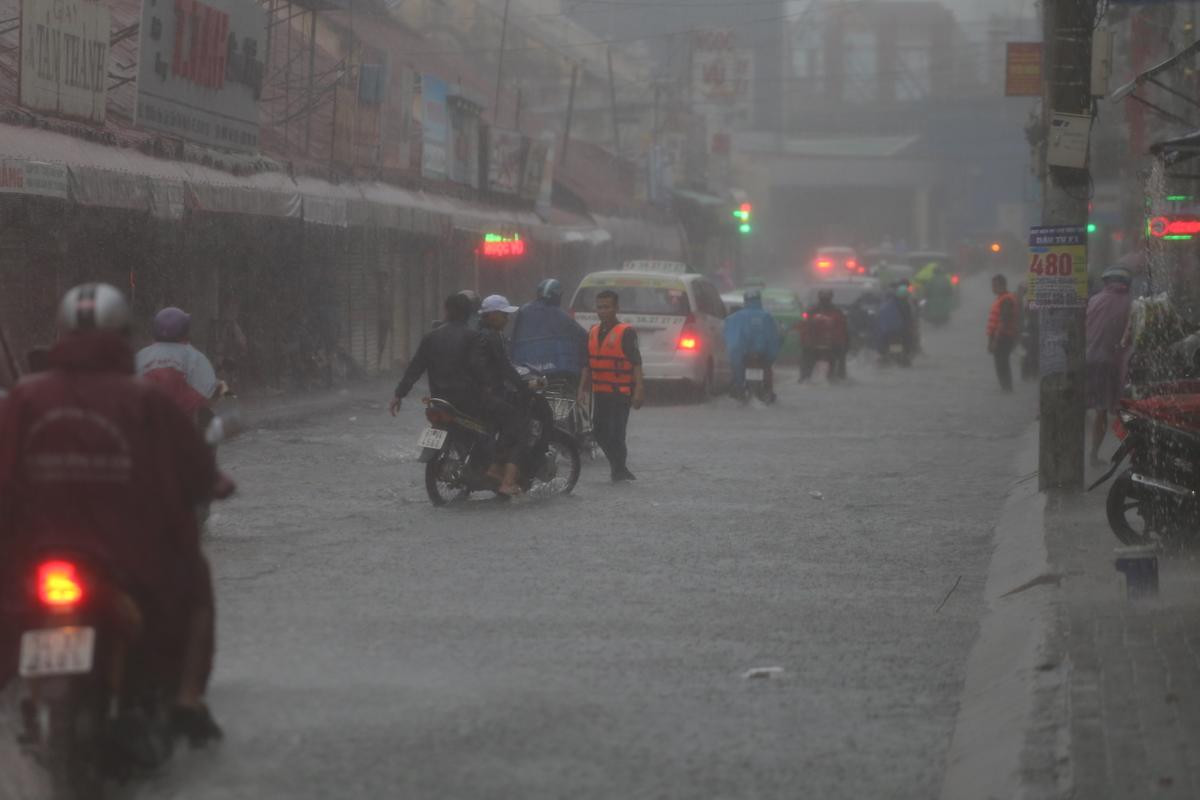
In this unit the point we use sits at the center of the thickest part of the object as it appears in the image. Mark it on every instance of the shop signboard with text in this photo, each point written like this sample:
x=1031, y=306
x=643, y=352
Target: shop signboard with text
x=200, y=70
x=1058, y=270
x=64, y=58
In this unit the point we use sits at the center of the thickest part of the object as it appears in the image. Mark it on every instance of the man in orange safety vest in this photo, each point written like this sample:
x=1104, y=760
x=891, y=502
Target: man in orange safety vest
x=614, y=374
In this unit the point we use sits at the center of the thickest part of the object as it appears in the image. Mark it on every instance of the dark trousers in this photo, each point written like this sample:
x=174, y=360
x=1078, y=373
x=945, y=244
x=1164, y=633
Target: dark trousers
x=513, y=426
x=1002, y=354
x=610, y=418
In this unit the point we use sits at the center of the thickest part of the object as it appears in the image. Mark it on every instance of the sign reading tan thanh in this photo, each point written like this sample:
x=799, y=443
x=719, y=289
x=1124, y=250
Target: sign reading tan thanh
x=64, y=57
x=200, y=70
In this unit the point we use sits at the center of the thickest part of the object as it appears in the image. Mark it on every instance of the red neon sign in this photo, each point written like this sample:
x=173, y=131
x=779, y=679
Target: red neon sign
x=496, y=246
x=1162, y=227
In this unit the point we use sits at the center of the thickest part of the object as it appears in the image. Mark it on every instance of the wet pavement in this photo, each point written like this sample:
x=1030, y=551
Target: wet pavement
x=594, y=645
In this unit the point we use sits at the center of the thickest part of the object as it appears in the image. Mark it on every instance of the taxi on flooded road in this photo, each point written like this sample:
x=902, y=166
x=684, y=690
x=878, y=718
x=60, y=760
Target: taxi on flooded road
x=679, y=318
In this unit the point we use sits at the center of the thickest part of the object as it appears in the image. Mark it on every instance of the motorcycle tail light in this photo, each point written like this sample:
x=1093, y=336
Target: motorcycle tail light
x=59, y=585
x=437, y=416
x=1119, y=429
x=688, y=342
x=954, y=280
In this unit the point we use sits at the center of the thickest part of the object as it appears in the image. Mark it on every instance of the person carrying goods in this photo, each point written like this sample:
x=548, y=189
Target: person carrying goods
x=751, y=334
x=1002, y=330
x=614, y=375
x=547, y=339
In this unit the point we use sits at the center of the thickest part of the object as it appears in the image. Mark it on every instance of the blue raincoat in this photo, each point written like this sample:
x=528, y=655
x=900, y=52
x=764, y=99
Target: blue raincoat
x=749, y=331
x=547, y=339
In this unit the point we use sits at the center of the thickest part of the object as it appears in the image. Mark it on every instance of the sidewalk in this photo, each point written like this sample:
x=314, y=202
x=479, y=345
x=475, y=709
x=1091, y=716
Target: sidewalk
x=1132, y=694
x=1072, y=690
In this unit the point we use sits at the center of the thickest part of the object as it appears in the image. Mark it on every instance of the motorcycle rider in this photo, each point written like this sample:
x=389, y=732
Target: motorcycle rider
x=445, y=353
x=505, y=393
x=824, y=328
x=176, y=366
x=749, y=332
x=473, y=298
x=894, y=322
x=938, y=292
x=547, y=338
x=97, y=462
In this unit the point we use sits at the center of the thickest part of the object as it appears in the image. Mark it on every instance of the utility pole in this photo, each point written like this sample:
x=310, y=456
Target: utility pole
x=500, y=64
x=566, y=143
x=1068, y=28
x=612, y=98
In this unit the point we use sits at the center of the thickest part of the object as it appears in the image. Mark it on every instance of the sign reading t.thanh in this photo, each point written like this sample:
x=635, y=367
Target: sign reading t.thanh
x=1058, y=270
x=64, y=57
x=200, y=70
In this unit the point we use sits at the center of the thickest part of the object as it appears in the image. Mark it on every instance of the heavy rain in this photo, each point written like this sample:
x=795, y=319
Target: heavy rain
x=599, y=399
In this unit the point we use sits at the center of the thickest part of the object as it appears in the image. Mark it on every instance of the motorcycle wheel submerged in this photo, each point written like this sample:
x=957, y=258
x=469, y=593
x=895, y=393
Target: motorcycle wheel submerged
x=444, y=481
x=560, y=468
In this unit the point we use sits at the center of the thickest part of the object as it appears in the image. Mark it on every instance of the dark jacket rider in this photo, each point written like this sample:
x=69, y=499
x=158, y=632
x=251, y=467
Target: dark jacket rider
x=445, y=353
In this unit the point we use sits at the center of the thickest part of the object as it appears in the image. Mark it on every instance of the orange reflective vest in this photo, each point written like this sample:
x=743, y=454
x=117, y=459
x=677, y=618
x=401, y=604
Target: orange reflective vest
x=1002, y=321
x=611, y=371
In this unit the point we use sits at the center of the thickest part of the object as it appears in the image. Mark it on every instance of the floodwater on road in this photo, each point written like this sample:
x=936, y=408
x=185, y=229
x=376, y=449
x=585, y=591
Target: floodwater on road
x=594, y=646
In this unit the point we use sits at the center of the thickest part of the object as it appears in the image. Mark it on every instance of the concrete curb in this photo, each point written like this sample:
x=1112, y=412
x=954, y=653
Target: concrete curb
x=1000, y=698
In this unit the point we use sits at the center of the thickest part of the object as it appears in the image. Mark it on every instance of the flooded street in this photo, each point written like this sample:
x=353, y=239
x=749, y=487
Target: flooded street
x=594, y=646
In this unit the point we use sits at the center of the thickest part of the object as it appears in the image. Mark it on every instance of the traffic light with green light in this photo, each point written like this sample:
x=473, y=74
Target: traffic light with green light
x=742, y=215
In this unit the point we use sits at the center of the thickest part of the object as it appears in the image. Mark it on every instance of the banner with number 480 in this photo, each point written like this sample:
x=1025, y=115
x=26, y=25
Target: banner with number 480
x=1058, y=270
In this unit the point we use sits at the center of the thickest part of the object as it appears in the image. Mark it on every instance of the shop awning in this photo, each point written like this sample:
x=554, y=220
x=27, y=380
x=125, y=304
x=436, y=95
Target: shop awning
x=564, y=227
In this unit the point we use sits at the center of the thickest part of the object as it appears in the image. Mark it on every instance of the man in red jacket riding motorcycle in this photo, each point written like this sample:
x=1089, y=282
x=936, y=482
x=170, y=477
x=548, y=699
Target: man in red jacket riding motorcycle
x=97, y=462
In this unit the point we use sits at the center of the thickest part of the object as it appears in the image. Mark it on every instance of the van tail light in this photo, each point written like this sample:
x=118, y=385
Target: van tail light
x=689, y=340
x=851, y=265
x=59, y=585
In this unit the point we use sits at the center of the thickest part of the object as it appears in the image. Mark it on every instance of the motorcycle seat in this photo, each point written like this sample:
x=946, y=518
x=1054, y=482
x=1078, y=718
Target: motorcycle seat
x=460, y=417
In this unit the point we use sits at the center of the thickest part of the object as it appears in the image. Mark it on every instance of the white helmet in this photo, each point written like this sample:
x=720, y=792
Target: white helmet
x=93, y=307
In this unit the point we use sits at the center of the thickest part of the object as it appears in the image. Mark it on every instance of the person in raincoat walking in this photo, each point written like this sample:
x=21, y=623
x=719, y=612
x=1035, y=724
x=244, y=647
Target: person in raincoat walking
x=751, y=332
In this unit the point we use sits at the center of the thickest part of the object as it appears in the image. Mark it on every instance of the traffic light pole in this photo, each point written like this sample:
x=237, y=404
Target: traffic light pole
x=1069, y=26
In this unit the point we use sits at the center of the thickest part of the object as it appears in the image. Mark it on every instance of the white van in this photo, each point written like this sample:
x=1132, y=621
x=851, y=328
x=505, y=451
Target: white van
x=679, y=318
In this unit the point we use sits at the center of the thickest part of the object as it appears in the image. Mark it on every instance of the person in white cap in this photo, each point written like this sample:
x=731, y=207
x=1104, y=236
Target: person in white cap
x=500, y=383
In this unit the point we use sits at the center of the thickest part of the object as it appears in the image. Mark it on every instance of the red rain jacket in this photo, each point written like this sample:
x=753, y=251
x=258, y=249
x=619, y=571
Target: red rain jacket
x=95, y=460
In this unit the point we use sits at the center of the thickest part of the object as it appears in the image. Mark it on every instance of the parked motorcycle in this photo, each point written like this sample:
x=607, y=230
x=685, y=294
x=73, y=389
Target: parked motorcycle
x=458, y=449
x=1156, y=499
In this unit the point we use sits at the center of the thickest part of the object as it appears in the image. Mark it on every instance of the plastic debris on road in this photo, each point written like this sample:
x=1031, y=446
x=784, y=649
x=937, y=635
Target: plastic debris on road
x=759, y=673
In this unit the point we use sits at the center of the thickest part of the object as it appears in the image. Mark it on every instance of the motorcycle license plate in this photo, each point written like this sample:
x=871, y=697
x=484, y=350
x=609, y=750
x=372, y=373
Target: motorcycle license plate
x=561, y=407
x=754, y=374
x=57, y=651
x=433, y=438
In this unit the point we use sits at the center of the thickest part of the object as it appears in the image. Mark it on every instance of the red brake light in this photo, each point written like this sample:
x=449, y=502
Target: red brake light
x=58, y=584
x=954, y=279
x=851, y=264
x=688, y=342
x=824, y=263
x=437, y=416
